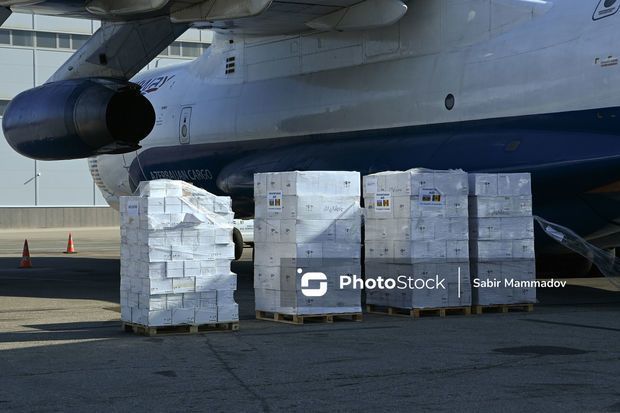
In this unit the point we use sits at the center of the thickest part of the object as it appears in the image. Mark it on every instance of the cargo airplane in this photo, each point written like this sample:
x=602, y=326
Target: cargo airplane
x=365, y=85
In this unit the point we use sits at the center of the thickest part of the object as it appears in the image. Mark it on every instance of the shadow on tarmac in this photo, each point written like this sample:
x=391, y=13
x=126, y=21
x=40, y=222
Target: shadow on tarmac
x=92, y=279
x=577, y=295
x=61, y=277
x=64, y=331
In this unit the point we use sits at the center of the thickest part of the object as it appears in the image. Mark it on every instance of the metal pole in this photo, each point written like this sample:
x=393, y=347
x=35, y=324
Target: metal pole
x=34, y=84
x=36, y=184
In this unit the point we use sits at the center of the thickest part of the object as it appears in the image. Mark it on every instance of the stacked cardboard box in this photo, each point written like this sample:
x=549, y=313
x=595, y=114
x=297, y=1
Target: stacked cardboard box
x=306, y=222
x=176, y=250
x=416, y=226
x=502, y=236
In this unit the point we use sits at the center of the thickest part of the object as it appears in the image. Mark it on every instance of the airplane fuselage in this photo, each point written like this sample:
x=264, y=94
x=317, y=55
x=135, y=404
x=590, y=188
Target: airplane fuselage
x=500, y=85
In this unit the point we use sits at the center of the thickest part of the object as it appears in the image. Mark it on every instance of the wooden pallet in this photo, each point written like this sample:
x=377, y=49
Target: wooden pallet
x=303, y=319
x=502, y=308
x=180, y=329
x=417, y=312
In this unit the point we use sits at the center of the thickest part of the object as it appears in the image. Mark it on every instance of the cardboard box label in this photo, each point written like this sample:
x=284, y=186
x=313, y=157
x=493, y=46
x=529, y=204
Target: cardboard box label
x=274, y=201
x=431, y=197
x=133, y=208
x=370, y=184
x=383, y=202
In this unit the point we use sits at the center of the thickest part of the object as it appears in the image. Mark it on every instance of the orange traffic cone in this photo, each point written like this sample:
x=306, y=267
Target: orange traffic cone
x=70, y=246
x=25, y=263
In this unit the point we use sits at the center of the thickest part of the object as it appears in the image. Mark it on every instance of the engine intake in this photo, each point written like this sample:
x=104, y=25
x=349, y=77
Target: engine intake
x=78, y=118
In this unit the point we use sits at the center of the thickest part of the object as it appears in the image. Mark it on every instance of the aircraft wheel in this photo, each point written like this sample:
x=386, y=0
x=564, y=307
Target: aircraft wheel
x=238, y=240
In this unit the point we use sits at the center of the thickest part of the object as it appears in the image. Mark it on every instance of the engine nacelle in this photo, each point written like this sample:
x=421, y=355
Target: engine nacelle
x=78, y=118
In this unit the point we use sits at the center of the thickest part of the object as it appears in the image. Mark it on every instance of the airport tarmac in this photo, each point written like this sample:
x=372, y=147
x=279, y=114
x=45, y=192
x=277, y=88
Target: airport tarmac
x=62, y=349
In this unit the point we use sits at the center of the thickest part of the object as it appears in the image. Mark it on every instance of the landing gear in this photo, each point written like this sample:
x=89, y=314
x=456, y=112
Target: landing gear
x=238, y=240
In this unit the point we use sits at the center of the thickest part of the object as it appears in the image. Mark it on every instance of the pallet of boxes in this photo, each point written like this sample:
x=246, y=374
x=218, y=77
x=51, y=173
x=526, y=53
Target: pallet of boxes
x=502, y=242
x=416, y=236
x=176, y=250
x=307, y=233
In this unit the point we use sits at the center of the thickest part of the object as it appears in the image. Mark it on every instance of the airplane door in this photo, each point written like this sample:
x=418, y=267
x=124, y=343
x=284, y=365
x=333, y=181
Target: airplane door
x=184, y=125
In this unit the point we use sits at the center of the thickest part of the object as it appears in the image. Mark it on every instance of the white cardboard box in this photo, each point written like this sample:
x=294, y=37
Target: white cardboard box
x=206, y=315
x=183, y=316
x=227, y=313
x=304, y=220
x=171, y=234
x=226, y=281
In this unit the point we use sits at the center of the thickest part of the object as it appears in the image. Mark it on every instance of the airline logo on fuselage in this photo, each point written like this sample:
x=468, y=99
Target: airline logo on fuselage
x=606, y=8
x=189, y=175
x=154, y=84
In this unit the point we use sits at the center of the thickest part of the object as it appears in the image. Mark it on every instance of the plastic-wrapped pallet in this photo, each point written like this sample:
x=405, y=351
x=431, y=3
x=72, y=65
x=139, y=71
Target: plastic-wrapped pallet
x=416, y=226
x=306, y=222
x=176, y=250
x=502, y=236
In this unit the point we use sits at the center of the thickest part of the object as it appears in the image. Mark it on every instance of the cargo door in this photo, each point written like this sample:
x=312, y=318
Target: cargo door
x=184, y=125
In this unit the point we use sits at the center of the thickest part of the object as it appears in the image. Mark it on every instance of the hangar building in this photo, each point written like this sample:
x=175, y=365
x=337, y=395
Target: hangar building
x=32, y=48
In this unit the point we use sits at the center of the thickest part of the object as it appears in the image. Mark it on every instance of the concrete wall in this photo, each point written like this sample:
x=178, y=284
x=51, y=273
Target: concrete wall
x=58, y=217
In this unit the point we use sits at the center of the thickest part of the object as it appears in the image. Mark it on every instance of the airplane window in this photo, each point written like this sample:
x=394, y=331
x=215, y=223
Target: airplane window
x=46, y=40
x=64, y=41
x=450, y=101
x=5, y=37
x=22, y=38
x=609, y=3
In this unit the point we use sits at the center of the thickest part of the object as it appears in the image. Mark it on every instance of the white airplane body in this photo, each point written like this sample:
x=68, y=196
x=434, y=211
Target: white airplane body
x=483, y=85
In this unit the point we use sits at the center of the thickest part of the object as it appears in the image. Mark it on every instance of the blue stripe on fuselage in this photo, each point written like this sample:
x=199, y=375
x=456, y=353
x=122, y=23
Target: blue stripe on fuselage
x=567, y=153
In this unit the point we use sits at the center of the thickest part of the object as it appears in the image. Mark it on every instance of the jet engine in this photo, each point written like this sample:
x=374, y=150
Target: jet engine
x=79, y=118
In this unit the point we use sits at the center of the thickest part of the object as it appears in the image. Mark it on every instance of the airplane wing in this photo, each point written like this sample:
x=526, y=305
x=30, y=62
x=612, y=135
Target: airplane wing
x=134, y=32
x=264, y=17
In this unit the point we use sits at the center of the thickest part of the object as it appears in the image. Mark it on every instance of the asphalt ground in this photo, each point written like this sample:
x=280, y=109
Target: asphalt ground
x=62, y=349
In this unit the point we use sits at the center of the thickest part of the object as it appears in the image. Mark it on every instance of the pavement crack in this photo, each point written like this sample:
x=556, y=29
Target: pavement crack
x=264, y=404
x=532, y=320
